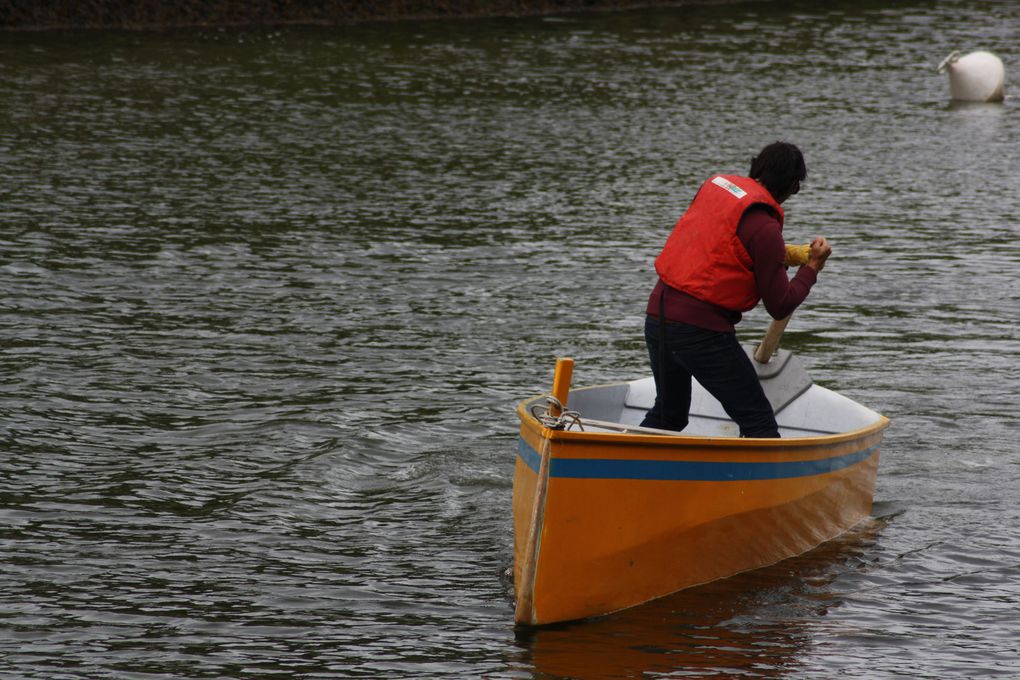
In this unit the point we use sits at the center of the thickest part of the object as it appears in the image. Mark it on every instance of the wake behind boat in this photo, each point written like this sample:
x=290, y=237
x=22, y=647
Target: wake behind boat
x=608, y=514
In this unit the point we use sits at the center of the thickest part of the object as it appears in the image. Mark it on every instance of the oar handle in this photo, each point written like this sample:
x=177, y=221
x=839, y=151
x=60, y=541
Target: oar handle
x=770, y=342
x=797, y=255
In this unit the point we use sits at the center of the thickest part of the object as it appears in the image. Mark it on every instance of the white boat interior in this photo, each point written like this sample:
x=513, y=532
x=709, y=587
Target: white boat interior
x=802, y=408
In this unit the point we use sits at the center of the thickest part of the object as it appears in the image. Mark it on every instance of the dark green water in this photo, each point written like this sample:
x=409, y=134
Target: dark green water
x=270, y=299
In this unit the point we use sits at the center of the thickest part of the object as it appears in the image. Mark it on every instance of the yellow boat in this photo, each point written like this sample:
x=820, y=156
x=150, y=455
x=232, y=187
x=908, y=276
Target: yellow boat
x=608, y=515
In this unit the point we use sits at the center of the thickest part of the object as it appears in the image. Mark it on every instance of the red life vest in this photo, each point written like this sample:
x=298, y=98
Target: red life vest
x=703, y=256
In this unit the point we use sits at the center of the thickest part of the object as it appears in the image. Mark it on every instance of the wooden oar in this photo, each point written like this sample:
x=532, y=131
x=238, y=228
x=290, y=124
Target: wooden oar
x=770, y=342
x=795, y=255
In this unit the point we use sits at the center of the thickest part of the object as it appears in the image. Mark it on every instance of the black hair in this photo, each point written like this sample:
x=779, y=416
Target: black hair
x=780, y=168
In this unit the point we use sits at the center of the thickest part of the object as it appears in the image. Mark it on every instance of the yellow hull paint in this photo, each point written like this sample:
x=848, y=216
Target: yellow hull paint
x=606, y=521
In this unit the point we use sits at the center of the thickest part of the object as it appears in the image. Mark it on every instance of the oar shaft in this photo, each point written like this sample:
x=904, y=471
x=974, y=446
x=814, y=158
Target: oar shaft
x=770, y=342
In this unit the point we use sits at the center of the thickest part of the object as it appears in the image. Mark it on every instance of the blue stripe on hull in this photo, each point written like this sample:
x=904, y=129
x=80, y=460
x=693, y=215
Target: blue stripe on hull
x=678, y=470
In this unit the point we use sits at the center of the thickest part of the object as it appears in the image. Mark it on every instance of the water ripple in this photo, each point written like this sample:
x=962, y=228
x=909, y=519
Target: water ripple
x=271, y=298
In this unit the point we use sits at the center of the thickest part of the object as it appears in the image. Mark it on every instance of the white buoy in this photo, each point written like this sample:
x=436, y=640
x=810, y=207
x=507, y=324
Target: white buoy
x=975, y=77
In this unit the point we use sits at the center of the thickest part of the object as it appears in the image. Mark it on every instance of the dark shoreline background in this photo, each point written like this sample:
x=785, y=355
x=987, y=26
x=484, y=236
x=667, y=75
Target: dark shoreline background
x=154, y=14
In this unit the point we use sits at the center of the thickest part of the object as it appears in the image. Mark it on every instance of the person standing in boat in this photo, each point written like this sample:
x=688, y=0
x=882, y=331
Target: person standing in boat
x=724, y=255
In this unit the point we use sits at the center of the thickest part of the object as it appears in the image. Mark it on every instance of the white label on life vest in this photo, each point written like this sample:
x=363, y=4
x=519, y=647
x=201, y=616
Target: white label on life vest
x=729, y=186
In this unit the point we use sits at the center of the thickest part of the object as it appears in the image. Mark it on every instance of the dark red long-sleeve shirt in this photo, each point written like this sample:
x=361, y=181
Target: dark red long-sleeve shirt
x=762, y=238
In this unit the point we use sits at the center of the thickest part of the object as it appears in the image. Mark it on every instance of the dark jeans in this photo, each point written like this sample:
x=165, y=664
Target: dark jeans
x=720, y=365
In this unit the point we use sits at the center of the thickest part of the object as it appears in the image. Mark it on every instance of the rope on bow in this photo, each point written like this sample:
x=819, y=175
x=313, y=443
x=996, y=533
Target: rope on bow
x=563, y=421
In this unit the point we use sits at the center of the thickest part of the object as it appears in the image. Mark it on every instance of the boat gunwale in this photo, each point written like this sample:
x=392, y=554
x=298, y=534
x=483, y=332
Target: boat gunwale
x=682, y=441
